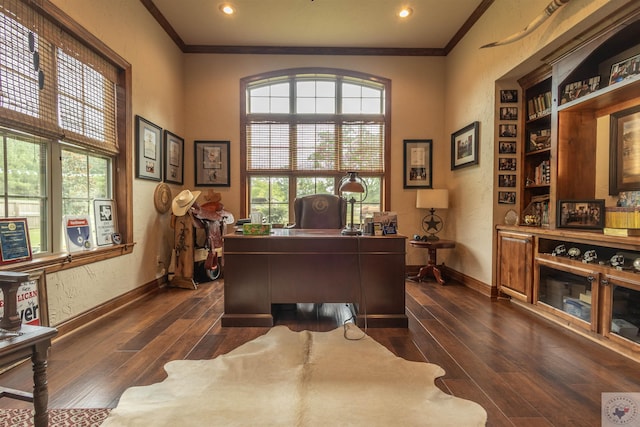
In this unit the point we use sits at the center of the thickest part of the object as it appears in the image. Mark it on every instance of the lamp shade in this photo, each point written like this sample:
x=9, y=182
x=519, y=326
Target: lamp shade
x=432, y=199
x=352, y=184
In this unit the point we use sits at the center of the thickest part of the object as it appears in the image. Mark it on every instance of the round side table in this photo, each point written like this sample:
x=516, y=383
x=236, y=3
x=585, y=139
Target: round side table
x=432, y=266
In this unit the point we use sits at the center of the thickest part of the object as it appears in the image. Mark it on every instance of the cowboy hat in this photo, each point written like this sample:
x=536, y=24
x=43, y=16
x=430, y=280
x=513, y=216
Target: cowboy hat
x=183, y=202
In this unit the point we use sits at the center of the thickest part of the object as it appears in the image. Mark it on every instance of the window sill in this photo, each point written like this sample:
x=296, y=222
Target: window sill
x=63, y=260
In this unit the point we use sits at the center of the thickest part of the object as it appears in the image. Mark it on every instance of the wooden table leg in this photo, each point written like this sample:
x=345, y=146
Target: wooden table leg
x=40, y=385
x=430, y=269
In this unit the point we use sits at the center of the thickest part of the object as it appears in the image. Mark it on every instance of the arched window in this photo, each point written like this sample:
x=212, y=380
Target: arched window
x=302, y=130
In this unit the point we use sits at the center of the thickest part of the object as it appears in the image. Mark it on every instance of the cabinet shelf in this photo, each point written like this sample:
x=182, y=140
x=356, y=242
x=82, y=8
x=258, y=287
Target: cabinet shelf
x=606, y=97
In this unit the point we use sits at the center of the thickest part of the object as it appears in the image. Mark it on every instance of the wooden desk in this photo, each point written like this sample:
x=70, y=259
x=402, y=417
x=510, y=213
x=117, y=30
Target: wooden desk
x=34, y=342
x=314, y=266
x=432, y=266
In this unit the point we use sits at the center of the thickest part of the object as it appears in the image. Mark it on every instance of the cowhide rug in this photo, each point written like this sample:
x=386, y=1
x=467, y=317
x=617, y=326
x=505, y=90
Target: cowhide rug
x=286, y=378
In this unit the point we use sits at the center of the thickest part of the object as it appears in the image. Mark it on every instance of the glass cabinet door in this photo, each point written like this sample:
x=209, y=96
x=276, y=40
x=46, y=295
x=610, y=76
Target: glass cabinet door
x=621, y=309
x=567, y=291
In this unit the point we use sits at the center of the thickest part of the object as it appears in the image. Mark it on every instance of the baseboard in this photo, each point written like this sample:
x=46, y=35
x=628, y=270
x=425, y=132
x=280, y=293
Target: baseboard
x=107, y=307
x=469, y=282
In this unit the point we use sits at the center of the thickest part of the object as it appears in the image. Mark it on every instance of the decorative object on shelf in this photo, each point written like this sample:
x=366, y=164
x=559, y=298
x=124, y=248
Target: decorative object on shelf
x=624, y=69
x=212, y=163
x=576, y=90
x=624, y=170
x=617, y=261
x=148, y=150
x=548, y=11
x=537, y=211
x=432, y=200
x=417, y=163
x=636, y=264
x=584, y=214
x=162, y=198
x=511, y=217
x=464, y=146
x=173, y=158
x=560, y=250
x=574, y=253
x=352, y=183
x=590, y=256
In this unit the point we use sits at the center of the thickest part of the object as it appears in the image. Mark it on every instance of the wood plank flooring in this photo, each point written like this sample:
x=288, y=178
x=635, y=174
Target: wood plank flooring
x=523, y=369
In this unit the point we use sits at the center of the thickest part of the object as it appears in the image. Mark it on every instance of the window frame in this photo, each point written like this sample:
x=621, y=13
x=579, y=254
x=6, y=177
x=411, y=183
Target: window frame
x=291, y=73
x=122, y=162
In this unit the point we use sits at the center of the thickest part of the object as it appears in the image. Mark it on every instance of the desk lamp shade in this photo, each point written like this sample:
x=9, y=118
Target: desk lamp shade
x=352, y=184
x=432, y=199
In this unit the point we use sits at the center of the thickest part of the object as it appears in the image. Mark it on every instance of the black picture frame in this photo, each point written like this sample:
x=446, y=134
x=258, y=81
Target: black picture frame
x=508, y=130
x=624, y=155
x=418, y=159
x=464, y=146
x=212, y=163
x=582, y=214
x=173, y=158
x=507, y=147
x=148, y=150
x=508, y=113
x=509, y=96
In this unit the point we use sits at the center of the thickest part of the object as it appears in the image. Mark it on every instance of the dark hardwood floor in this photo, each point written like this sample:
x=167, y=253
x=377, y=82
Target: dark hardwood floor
x=523, y=369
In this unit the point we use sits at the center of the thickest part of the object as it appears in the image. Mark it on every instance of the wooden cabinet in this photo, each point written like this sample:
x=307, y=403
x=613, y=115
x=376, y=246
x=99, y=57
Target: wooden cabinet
x=515, y=253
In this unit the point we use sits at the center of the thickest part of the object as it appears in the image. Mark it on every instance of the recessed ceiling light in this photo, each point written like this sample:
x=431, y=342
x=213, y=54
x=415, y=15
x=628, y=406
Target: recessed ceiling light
x=227, y=9
x=405, y=12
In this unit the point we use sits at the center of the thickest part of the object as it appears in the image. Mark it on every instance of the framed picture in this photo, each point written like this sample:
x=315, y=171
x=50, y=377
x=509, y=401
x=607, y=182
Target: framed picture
x=148, y=150
x=104, y=211
x=32, y=300
x=212, y=163
x=508, y=131
x=15, y=245
x=509, y=96
x=508, y=113
x=507, y=197
x=464, y=146
x=624, y=157
x=174, y=158
x=507, y=163
x=417, y=163
x=625, y=69
x=588, y=214
x=507, y=180
x=507, y=147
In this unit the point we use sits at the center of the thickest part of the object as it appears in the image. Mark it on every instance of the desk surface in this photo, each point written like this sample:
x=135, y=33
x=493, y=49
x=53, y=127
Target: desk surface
x=308, y=232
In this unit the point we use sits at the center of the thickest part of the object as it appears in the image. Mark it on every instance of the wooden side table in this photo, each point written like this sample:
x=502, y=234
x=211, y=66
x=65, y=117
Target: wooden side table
x=432, y=266
x=34, y=342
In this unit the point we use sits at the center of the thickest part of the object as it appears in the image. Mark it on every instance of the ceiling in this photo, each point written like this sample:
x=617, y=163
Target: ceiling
x=317, y=26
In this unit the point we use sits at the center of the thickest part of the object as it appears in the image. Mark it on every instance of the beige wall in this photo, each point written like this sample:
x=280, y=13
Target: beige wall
x=197, y=97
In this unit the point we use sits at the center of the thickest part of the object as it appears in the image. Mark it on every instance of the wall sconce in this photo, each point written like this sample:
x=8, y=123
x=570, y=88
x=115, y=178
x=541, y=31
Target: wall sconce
x=432, y=199
x=352, y=184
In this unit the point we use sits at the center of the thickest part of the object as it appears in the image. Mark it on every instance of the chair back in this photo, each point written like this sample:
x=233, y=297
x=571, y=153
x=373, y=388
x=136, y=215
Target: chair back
x=320, y=211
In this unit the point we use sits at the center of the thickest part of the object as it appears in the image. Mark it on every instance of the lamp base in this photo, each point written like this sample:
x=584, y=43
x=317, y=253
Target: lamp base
x=432, y=238
x=351, y=232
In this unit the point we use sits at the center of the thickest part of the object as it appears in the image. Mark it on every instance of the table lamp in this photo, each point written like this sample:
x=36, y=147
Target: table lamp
x=432, y=199
x=352, y=184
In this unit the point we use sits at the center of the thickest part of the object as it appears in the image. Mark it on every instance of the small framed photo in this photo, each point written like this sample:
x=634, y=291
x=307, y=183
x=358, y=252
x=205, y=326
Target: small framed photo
x=624, y=146
x=508, y=113
x=509, y=96
x=174, y=158
x=587, y=214
x=417, y=163
x=508, y=130
x=507, y=197
x=212, y=163
x=464, y=146
x=507, y=163
x=507, y=147
x=507, y=180
x=148, y=150
x=625, y=69
x=15, y=245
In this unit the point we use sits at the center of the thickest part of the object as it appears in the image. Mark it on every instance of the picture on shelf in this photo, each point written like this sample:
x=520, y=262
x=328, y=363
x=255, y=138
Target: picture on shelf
x=508, y=113
x=539, y=140
x=507, y=164
x=509, y=96
x=508, y=131
x=577, y=89
x=588, y=214
x=507, y=147
x=625, y=69
x=507, y=180
x=507, y=197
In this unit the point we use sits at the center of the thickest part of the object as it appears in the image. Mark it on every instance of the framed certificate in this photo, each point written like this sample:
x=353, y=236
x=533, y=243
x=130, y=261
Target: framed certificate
x=14, y=240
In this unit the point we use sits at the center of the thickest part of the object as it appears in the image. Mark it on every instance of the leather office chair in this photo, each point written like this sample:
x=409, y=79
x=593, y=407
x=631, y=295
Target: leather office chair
x=320, y=211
